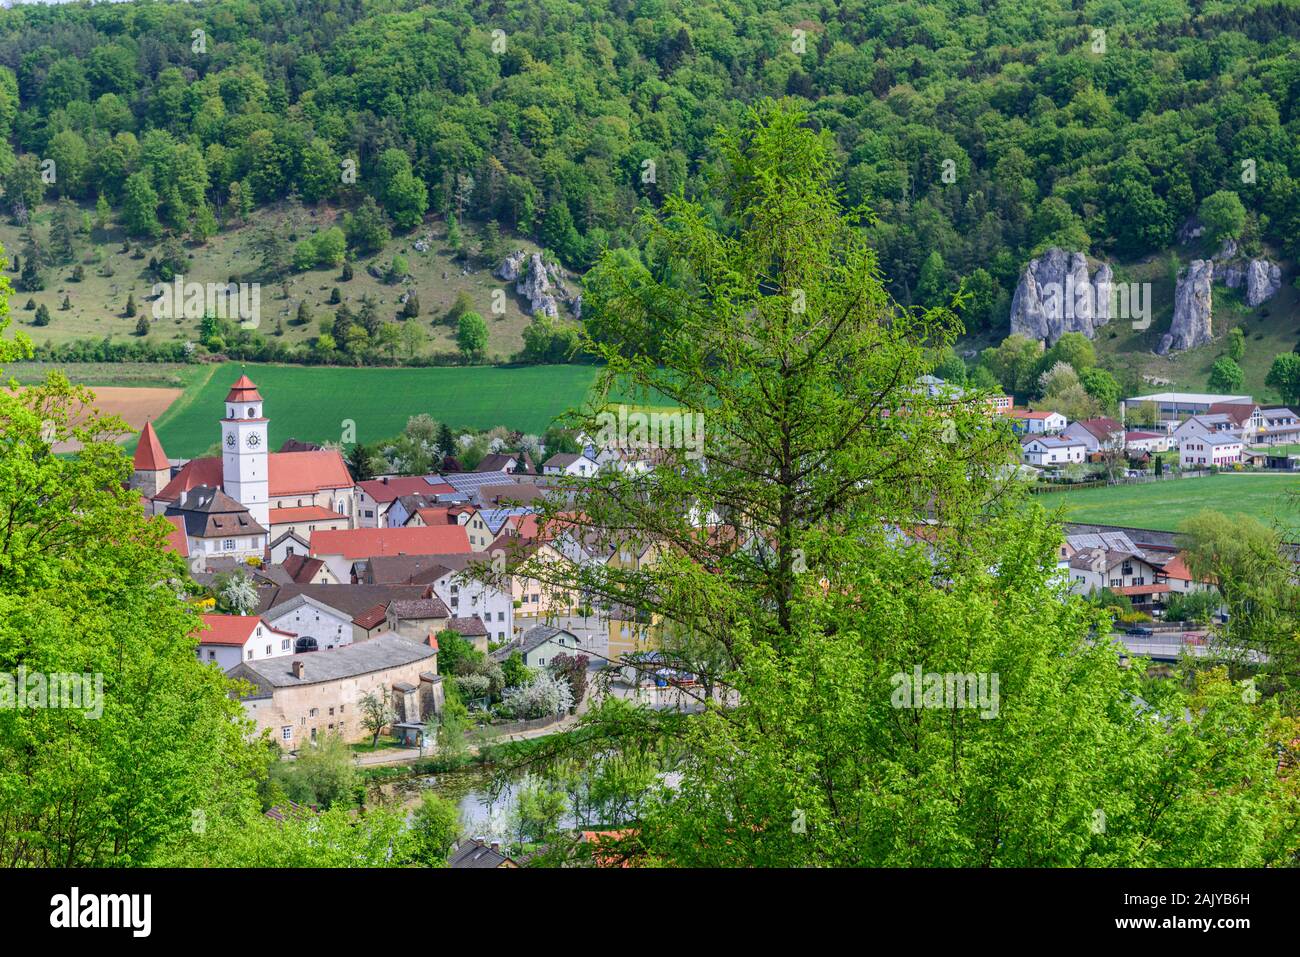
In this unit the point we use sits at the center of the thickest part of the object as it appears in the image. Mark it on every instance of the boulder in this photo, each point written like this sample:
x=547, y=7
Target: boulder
x=1056, y=295
x=1263, y=280
x=1193, y=304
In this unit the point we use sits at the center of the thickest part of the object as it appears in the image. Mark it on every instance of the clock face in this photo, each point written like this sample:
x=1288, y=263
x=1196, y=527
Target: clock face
x=253, y=440
x=230, y=440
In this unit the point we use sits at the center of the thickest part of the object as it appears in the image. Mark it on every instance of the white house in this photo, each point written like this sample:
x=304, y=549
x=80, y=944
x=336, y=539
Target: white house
x=229, y=639
x=572, y=464
x=1202, y=451
x=1045, y=450
x=1037, y=423
x=1152, y=442
x=1124, y=573
x=309, y=618
x=1097, y=435
x=539, y=645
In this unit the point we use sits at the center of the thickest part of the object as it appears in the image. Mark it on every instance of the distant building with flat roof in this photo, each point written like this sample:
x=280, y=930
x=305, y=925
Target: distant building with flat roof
x=1174, y=407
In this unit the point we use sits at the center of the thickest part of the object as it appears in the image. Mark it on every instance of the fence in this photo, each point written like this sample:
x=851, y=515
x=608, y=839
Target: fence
x=1126, y=480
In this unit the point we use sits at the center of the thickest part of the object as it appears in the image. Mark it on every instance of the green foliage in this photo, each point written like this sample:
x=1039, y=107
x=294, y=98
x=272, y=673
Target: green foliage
x=435, y=827
x=1225, y=375
x=472, y=336
x=1223, y=215
x=323, y=774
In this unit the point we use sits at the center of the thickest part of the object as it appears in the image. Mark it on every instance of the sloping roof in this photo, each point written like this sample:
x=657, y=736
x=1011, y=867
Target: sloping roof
x=233, y=630
x=293, y=445
x=358, y=543
x=366, y=657
x=468, y=627
x=149, y=455
x=177, y=540
x=368, y=619
x=389, y=489
x=289, y=473
x=530, y=639
x=407, y=609
x=521, y=492
x=406, y=569
x=500, y=461
x=301, y=568
x=243, y=391
x=352, y=600
x=1101, y=428
x=476, y=854
x=210, y=513
x=1030, y=414
x=562, y=460
x=304, y=513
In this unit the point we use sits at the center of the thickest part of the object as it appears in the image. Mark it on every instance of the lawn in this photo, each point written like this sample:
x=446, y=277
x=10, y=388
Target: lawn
x=1269, y=497
x=315, y=403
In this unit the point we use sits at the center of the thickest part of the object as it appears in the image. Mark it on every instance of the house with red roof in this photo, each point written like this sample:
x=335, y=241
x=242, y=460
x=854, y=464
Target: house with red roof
x=1035, y=422
x=376, y=496
x=227, y=640
x=341, y=550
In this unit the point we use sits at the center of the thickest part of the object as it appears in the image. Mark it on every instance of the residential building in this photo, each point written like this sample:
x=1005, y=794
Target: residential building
x=342, y=550
x=309, y=618
x=1148, y=442
x=1097, y=435
x=1203, y=451
x=1037, y=423
x=226, y=640
x=301, y=698
x=539, y=645
x=376, y=496
x=1051, y=450
x=217, y=526
x=574, y=465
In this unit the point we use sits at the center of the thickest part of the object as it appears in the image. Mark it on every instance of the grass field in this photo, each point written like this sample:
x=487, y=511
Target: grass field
x=314, y=403
x=96, y=303
x=1269, y=497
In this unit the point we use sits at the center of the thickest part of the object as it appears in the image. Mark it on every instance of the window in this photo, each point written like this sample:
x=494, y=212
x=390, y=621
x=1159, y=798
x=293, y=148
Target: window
x=313, y=712
x=228, y=545
x=250, y=654
x=287, y=732
x=268, y=651
x=540, y=662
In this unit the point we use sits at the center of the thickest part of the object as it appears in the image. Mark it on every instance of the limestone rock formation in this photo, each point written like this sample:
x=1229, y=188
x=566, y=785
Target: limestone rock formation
x=1193, y=304
x=541, y=283
x=1263, y=280
x=1056, y=295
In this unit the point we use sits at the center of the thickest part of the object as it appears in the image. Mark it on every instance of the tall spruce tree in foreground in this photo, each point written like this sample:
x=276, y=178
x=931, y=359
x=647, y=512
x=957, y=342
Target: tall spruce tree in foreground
x=842, y=528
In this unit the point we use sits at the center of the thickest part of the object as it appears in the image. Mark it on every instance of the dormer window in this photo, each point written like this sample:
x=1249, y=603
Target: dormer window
x=252, y=412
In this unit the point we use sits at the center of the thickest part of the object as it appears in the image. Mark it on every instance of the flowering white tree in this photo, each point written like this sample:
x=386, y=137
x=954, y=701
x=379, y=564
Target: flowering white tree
x=545, y=695
x=239, y=595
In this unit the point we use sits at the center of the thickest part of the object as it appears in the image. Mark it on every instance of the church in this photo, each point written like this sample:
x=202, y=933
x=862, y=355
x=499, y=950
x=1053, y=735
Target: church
x=239, y=504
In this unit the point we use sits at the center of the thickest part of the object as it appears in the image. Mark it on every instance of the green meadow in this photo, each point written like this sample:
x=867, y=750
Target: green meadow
x=1269, y=497
x=315, y=403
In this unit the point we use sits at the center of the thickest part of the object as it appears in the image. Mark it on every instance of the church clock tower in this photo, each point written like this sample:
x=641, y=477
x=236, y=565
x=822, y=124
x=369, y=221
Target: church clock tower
x=244, y=462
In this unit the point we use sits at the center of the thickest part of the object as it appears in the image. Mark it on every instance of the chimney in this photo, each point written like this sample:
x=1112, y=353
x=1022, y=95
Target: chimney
x=496, y=846
x=299, y=669
x=385, y=479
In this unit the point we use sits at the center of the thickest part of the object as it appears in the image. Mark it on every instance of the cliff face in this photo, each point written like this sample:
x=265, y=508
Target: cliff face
x=1193, y=304
x=541, y=284
x=1056, y=295
x=1263, y=280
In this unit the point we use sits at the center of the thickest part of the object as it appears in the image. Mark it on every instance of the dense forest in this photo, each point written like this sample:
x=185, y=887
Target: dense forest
x=976, y=132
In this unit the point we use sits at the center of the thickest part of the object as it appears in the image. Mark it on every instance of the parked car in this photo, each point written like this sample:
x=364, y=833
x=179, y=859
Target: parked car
x=304, y=645
x=1141, y=631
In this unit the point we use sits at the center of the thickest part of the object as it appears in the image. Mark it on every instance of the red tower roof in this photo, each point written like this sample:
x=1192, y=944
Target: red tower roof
x=149, y=454
x=243, y=391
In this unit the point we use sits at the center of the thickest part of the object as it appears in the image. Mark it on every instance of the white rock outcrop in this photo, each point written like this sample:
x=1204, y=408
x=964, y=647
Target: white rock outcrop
x=538, y=282
x=1263, y=280
x=1056, y=295
x=1193, y=305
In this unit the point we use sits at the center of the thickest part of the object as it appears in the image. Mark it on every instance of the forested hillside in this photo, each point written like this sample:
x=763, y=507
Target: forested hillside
x=978, y=133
